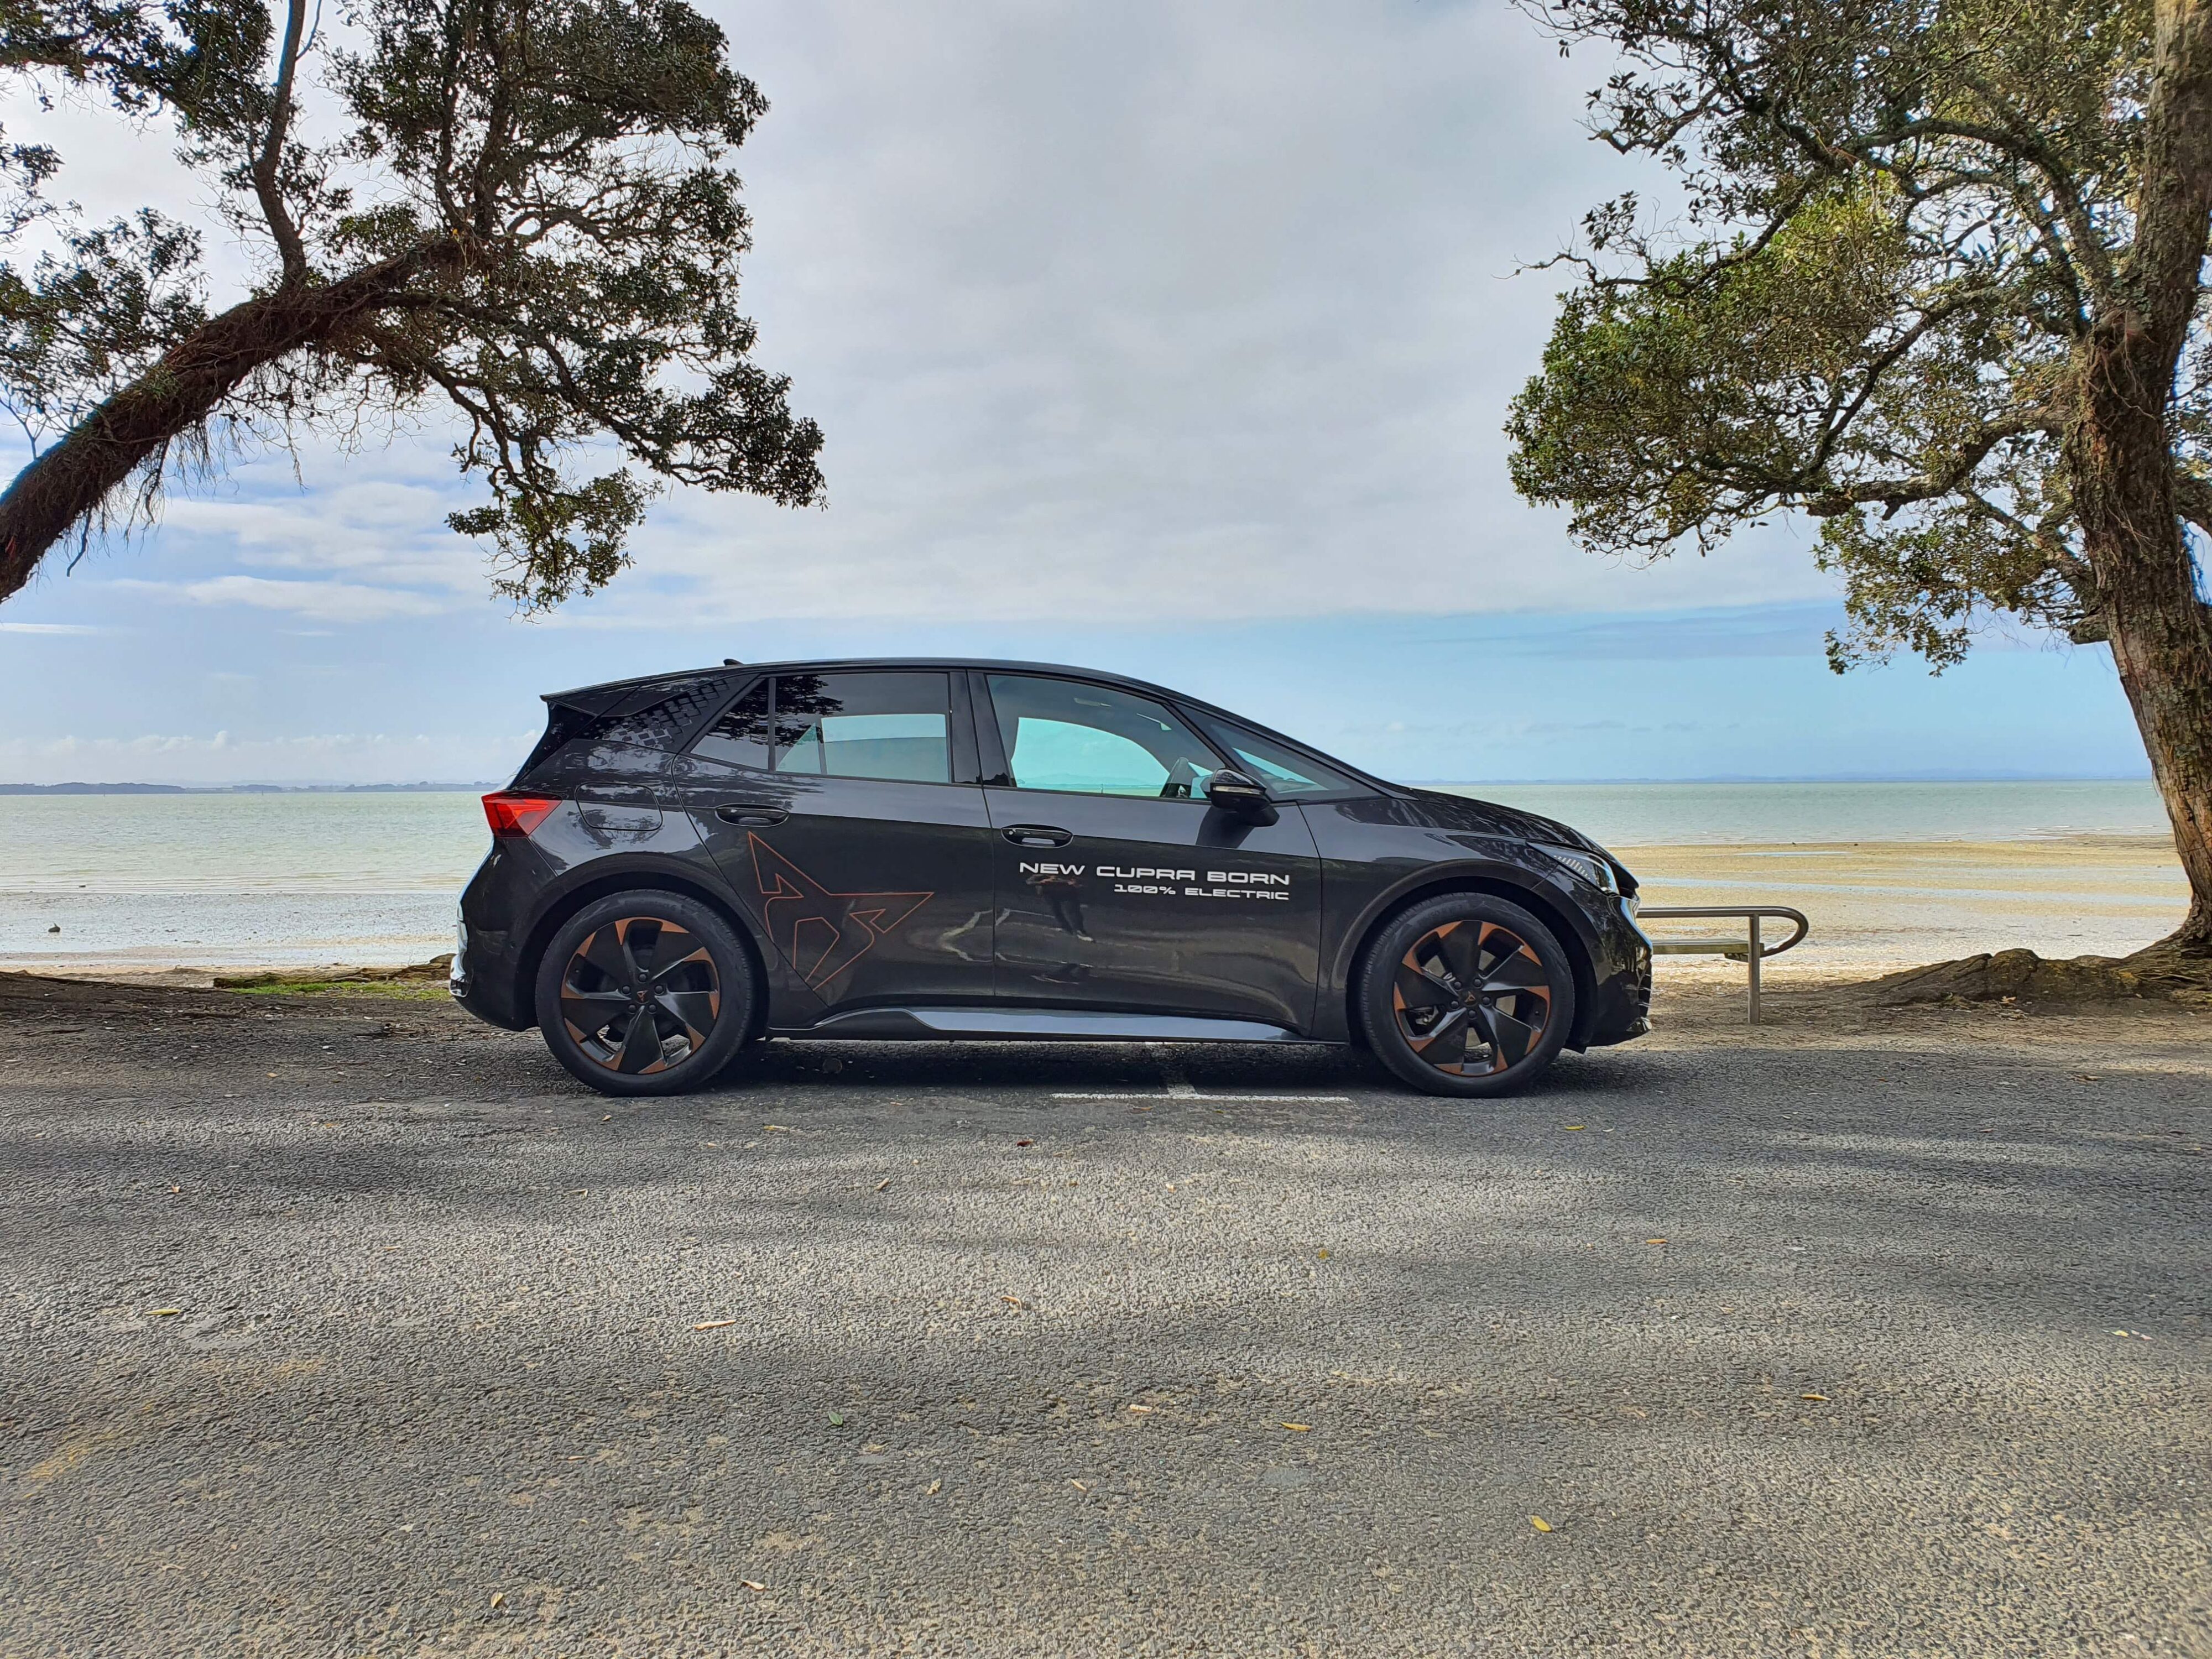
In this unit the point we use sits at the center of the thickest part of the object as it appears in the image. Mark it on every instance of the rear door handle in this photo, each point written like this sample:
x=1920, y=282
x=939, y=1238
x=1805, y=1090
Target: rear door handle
x=738, y=811
x=1037, y=835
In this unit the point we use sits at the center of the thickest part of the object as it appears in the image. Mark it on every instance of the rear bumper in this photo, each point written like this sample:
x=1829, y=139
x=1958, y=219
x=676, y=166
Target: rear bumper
x=487, y=977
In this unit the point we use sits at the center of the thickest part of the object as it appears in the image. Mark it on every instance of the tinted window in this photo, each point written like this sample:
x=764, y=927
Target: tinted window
x=1060, y=734
x=740, y=737
x=1286, y=772
x=863, y=726
x=661, y=720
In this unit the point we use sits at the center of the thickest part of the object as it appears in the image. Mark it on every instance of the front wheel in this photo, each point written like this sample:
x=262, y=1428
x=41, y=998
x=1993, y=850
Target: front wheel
x=1466, y=995
x=645, y=994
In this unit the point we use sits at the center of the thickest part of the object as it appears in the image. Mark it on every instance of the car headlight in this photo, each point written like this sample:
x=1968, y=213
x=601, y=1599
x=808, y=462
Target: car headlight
x=1591, y=868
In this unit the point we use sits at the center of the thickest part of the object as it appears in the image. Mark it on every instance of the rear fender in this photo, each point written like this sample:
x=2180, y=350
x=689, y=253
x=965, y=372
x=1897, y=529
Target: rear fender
x=621, y=874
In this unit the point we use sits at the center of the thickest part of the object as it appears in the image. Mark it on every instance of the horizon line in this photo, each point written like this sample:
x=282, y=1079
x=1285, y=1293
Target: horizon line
x=77, y=786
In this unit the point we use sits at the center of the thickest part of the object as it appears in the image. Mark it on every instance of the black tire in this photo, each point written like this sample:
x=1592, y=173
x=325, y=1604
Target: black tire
x=646, y=955
x=1466, y=995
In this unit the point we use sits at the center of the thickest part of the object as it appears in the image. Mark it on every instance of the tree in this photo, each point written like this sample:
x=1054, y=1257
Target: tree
x=526, y=215
x=1937, y=282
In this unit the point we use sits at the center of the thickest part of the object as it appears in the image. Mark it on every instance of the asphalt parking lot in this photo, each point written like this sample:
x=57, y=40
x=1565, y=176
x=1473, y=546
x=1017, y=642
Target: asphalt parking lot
x=343, y=1327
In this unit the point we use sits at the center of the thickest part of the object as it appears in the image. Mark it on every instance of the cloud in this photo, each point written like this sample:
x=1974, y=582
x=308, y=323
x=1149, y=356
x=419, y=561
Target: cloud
x=352, y=602
x=48, y=628
x=224, y=757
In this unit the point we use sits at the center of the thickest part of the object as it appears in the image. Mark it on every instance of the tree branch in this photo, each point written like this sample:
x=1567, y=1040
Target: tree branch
x=268, y=167
x=1893, y=494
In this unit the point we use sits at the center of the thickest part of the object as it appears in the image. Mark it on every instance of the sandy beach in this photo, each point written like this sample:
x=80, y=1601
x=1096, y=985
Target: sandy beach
x=1890, y=875
x=1879, y=906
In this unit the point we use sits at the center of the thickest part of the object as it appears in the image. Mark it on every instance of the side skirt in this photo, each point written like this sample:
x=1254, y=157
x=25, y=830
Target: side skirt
x=1034, y=1024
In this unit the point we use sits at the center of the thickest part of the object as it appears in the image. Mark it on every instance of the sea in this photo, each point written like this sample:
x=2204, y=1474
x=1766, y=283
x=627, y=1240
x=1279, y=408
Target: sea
x=302, y=878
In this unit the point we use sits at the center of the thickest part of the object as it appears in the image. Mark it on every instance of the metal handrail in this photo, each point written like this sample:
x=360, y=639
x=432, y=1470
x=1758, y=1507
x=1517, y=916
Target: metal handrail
x=1751, y=950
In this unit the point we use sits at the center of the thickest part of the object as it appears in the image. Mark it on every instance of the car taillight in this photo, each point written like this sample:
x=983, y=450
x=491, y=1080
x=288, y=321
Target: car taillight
x=513, y=817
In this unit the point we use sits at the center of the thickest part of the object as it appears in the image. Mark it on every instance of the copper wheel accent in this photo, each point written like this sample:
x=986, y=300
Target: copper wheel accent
x=1472, y=997
x=640, y=995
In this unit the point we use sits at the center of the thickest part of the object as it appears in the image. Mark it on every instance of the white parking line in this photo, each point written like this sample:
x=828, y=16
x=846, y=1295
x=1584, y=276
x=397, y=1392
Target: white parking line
x=1171, y=1072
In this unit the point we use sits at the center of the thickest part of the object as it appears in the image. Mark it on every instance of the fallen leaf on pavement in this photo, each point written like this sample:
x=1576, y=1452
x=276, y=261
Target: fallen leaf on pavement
x=1540, y=1523
x=1822, y=1398
x=499, y=1598
x=1574, y=1125
x=1078, y=1486
x=1026, y=1143
x=885, y=1183
x=836, y=1419
x=1140, y=1408
x=753, y=1584
x=1655, y=1241
x=1016, y=1300
x=712, y=1324
x=1299, y=1428
x=165, y=1313
x=777, y=1128
x=935, y=1487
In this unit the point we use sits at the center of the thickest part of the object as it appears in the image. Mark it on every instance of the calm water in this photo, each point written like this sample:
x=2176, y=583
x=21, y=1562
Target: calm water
x=160, y=879
x=1683, y=814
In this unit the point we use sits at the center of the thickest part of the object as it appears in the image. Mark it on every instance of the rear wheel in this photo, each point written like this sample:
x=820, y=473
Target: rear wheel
x=645, y=994
x=1466, y=995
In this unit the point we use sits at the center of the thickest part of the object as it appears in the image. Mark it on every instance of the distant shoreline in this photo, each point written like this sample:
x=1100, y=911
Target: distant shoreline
x=451, y=789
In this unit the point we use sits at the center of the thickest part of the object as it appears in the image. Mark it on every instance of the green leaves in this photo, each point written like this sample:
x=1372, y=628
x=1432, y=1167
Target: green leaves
x=1921, y=211
x=526, y=215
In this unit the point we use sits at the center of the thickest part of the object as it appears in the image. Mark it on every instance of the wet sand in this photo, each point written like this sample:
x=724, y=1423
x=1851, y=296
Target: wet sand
x=1879, y=906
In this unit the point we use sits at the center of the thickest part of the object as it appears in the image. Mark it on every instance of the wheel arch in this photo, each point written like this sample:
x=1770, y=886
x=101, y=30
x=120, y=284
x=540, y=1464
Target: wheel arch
x=633, y=879
x=1559, y=918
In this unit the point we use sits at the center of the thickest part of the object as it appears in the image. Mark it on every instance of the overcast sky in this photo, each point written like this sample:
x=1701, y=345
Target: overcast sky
x=1173, y=338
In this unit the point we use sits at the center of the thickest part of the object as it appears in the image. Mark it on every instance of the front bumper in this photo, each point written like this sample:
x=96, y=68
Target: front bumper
x=1620, y=1001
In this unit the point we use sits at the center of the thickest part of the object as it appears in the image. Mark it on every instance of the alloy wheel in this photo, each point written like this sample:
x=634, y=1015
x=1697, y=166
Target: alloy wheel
x=1472, y=997
x=641, y=994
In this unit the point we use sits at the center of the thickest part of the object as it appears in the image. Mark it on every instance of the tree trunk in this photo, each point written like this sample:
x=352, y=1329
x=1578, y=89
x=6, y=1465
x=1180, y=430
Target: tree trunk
x=2160, y=633
x=66, y=486
x=2118, y=452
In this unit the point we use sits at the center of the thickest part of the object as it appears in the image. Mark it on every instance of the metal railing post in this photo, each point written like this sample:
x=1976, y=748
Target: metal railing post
x=1752, y=946
x=1755, y=955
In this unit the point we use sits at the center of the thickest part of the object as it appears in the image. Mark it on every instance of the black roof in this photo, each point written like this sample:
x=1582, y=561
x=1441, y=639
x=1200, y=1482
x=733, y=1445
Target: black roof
x=604, y=697
x=727, y=668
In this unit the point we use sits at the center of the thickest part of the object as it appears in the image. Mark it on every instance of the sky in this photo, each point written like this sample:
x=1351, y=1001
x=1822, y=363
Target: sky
x=1165, y=338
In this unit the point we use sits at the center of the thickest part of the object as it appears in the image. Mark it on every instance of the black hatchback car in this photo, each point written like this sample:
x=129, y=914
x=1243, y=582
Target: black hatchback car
x=943, y=849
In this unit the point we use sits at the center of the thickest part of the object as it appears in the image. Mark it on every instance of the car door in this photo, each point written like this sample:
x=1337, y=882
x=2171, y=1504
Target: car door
x=842, y=807
x=1118, y=887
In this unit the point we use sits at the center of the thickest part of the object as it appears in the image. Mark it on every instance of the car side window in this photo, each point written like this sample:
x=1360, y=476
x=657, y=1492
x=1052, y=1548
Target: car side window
x=890, y=725
x=740, y=737
x=1088, y=739
x=1286, y=774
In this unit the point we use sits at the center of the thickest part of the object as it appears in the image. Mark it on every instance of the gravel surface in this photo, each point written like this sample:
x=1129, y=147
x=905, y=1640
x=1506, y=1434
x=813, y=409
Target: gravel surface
x=346, y=1326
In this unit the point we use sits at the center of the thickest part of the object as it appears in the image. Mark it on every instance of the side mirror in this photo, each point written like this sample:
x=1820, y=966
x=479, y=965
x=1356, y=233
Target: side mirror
x=1240, y=796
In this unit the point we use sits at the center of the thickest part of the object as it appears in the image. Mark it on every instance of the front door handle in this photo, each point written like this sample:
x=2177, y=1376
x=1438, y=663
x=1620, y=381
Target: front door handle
x=1037, y=835
x=740, y=812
